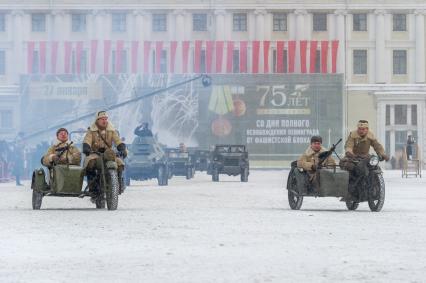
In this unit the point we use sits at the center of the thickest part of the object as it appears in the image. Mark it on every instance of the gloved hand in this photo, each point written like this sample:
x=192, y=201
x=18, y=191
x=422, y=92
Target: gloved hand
x=86, y=149
x=384, y=157
x=314, y=167
x=54, y=158
x=122, y=149
x=349, y=154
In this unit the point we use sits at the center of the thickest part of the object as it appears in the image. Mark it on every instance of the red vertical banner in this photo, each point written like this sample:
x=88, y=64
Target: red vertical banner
x=30, y=56
x=266, y=45
x=324, y=56
x=243, y=57
x=219, y=56
x=185, y=53
x=291, y=55
x=78, y=54
x=255, y=57
x=209, y=56
x=173, y=47
x=197, y=55
x=135, y=47
x=313, y=56
x=280, y=57
x=54, y=56
x=303, y=49
x=107, y=53
x=67, y=53
x=42, y=46
x=334, y=48
x=118, y=56
x=158, y=52
x=93, y=53
x=146, y=51
x=229, y=56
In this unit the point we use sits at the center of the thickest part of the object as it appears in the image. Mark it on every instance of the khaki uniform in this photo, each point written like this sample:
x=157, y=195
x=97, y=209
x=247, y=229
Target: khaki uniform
x=93, y=138
x=309, y=158
x=72, y=156
x=360, y=146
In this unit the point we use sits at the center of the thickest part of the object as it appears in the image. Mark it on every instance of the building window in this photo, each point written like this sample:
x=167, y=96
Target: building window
x=275, y=61
x=280, y=22
x=2, y=62
x=163, y=61
x=38, y=22
x=159, y=22
x=360, y=22
x=119, y=22
x=414, y=115
x=6, y=119
x=83, y=62
x=240, y=22
x=78, y=22
x=203, y=61
x=399, y=22
x=36, y=62
x=388, y=115
x=400, y=114
x=123, y=67
x=236, y=61
x=318, y=61
x=199, y=22
x=319, y=22
x=360, y=62
x=400, y=62
x=2, y=22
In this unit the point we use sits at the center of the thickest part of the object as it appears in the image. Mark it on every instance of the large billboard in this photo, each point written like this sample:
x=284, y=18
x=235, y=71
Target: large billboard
x=273, y=114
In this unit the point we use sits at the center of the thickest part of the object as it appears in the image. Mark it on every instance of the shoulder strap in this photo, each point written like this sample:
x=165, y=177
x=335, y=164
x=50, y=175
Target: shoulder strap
x=102, y=138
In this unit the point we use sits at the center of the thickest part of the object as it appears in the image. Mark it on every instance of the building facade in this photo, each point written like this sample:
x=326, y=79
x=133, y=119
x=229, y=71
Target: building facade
x=379, y=47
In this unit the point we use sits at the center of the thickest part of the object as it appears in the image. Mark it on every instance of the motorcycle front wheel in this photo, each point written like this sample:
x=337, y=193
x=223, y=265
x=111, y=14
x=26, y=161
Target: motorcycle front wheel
x=113, y=191
x=295, y=201
x=376, y=195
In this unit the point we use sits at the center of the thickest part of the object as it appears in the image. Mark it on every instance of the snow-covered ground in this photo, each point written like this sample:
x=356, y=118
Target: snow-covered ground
x=200, y=231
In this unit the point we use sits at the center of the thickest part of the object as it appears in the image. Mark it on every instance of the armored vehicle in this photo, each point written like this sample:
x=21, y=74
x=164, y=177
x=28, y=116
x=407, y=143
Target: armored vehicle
x=146, y=160
x=180, y=163
x=67, y=181
x=231, y=160
x=364, y=184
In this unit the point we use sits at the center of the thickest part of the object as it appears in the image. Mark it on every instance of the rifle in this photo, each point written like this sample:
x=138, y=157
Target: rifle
x=326, y=154
x=62, y=150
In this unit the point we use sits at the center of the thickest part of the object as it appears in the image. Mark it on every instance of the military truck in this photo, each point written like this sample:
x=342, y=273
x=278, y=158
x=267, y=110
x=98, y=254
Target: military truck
x=146, y=160
x=180, y=163
x=231, y=160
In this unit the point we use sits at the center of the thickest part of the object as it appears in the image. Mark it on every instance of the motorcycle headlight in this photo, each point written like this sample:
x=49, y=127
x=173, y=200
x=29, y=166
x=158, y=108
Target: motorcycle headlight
x=374, y=161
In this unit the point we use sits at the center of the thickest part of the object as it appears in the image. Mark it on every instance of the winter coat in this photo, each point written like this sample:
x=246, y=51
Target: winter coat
x=361, y=146
x=71, y=156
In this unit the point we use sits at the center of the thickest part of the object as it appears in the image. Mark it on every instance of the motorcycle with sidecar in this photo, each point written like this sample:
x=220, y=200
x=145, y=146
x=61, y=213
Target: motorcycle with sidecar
x=67, y=181
x=364, y=183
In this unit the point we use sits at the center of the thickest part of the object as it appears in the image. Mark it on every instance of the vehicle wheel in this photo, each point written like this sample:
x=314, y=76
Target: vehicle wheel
x=376, y=197
x=352, y=205
x=295, y=201
x=122, y=185
x=37, y=199
x=162, y=176
x=244, y=174
x=215, y=175
x=113, y=191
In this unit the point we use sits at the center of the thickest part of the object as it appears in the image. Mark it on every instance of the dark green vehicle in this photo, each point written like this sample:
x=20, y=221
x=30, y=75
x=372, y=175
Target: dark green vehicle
x=200, y=158
x=67, y=181
x=364, y=184
x=146, y=160
x=180, y=163
x=231, y=160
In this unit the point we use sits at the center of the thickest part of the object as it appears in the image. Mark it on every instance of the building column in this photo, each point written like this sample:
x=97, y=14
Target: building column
x=220, y=24
x=17, y=64
x=180, y=24
x=300, y=35
x=420, y=46
x=380, y=47
x=260, y=23
x=392, y=132
x=340, y=36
